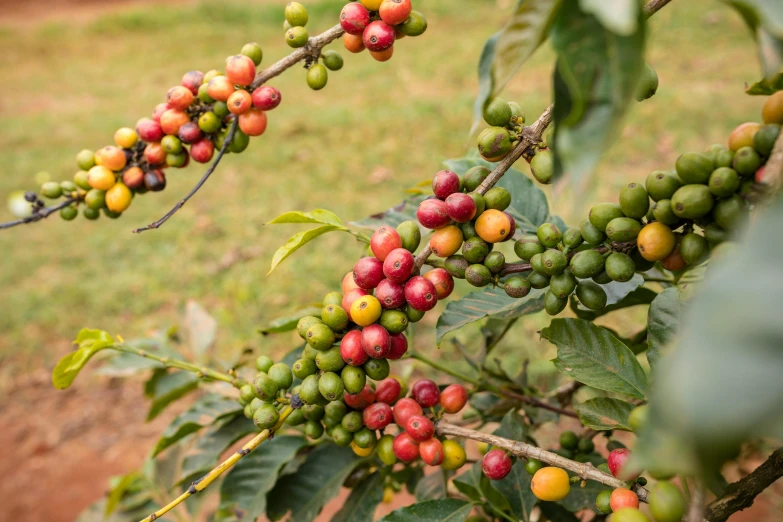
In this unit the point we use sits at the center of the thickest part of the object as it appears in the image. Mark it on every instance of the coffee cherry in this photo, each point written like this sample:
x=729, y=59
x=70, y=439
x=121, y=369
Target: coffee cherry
x=111, y=157
x=453, y=398
x=426, y=393
x=460, y=207
x=410, y=235
x=398, y=265
x=623, y=229
x=533, y=465
x=353, y=42
x=281, y=374
x=591, y=295
x=266, y=416
x=51, y=190
x=495, y=261
x=446, y=241
x=296, y=37
x=314, y=430
x=494, y=143
x=391, y=295
x=454, y=456
x=354, y=18
x=331, y=386
x=415, y=25
x=378, y=36
x=155, y=180
x=329, y=360
x=350, y=297
x=496, y=464
x=420, y=293
x=667, y=503
x=85, y=159
x=497, y=113
x=383, y=241
x=351, y=349
x=265, y=388
x=377, y=416
x=433, y=214
x=101, y=178
x=385, y=446
x=320, y=337
x=296, y=14
x=314, y=412
x=431, y=451
x=368, y=272
x=405, y=447
x=420, y=428
x=478, y=275
x=303, y=368
x=493, y=226
x=348, y=283
x=456, y=266
x=620, y=267
x=476, y=250
x=69, y=213
x=568, y=440
x=395, y=12
x=118, y=198
x=602, y=501
x=497, y=198
x=158, y=111
x=239, y=102
x=550, y=484
x=445, y=183
x=742, y=136
x=202, y=150
x=335, y=317
x=376, y=341
x=266, y=98
x=517, y=287
x=360, y=400
x=179, y=97
x=95, y=199
x=365, y=438
x=388, y=391
x=444, y=283
x=404, y=410
x=617, y=461
x=623, y=498
x=365, y=310
x=542, y=166
x=399, y=346
x=317, y=76
x=377, y=369
x=655, y=241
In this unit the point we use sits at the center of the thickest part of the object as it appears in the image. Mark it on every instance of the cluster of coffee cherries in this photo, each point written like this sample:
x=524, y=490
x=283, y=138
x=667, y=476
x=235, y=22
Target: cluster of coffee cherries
x=192, y=122
x=376, y=24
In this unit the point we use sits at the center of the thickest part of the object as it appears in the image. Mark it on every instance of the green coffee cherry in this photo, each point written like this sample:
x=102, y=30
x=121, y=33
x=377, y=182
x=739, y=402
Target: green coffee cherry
x=51, y=190
x=95, y=199
x=746, y=161
x=365, y=438
x=602, y=278
x=692, y=201
x=474, y=177
x=354, y=379
x=495, y=261
x=68, y=213
x=694, y=168
x=395, y=321
x=553, y=262
x=494, y=143
x=266, y=389
x=634, y=201
x=591, y=295
x=263, y=363
x=619, y=267
x=602, y=501
x=527, y=247
x=724, y=182
x=591, y=235
x=281, y=374
x=332, y=60
x=333, y=298
x=549, y=235
x=475, y=250
x=296, y=37
x=352, y=421
x=517, y=287
x=317, y=77
x=533, y=465
x=765, y=137
x=80, y=180
x=377, y=369
x=497, y=198
x=468, y=230
x=68, y=187
x=601, y=214
x=721, y=155
x=246, y=394
x=335, y=410
x=478, y=275
x=414, y=316
x=647, y=84
x=585, y=446
x=730, y=213
x=663, y=213
x=314, y=412
x=517, y=112
x=572, y=238
x=303, y=368
x=587, y=263
x=266, y=416
x=254, y=52
x=309, y=353
x=320, y=336
x=562, y=285
x=85, y=159
x=553, y=304
x=415, y=25
x=335, y=317
x=623, y=229
x=542, y=166
x=497, y=113
x=693, y=248
x=569, y=440
x=714, y=234
x=296, y=417
x=538, y=281
x=91, y=213
x=305, y=323
x=330, y=360
x=314, y=430
x=385, y=450
x=296, y=14
x=662, y=184
x=456, y=266
x=341, y=436
x=410, y=234
x=308, y=390
x=478, y=199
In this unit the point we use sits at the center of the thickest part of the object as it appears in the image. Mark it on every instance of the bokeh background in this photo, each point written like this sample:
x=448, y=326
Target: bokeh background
x=74, y=71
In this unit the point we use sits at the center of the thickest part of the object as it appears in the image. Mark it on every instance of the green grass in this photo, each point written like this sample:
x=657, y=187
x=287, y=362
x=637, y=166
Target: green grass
x=353, y=148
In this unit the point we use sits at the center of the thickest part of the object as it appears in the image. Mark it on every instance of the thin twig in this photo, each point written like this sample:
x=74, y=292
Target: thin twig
x=229, y=138
x=38, y=215
x=696, y=506
x=653, y=6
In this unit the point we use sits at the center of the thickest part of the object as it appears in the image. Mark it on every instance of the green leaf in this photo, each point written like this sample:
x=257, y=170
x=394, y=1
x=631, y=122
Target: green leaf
x=297, y=241
x=317, y=481
x=581, y=497
x=117, y=491
x=557, y=513
x=618, y=296
x=663, y=320
x=766, y=87
x=440, y=510
x=765, y=20
x=165, y=387
x=288, y=323
x=477, y=487
x=246, y=486
x=593, y=356
x=604, y=413
x=487, y=302
x=512, y=427
x=596, y=74
x=619, y=16
x=317, y=216
x=405, y=211
x=203, y=412
x=506, y=51
x=432, y=486
x=204, y=455
x=90, y=342
x=516, y=488
x=362, y=501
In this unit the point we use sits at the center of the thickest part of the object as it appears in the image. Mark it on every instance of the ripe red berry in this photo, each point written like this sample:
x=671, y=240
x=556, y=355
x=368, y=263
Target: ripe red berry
x=378, y=36
x=159, y=110
x=398, y=265
x=496, y=464
x=376, y=341
x=399, y=345
x=453, y=398
x=351, y=296
x=192, y=80
x=202, y=150
x=351, y=349
x=445, y=183
x=617, y=461
x=190, y=133
x=240, y=70
x=377, y=416
x=461, y=207
x=390, y=294
x=266, y=98
x=383, y=241
x=354, y=18
x=133, y=178
x=623, y=498
x=426, y=393
x=239, y=102
x=421, y=294
x=155, y=154
x=404, y=410
x=360, y=400
x=253, y=122
x=444, y=283
x=149, y=130
x=512, y=229
x=179, y=97
x=431, y=451
x=220, y=88
x=420, y=428
x=405, y=448
x=155, y=180
x=368, y=272
x=433, y=213
x=388, y=390
x=172, y=120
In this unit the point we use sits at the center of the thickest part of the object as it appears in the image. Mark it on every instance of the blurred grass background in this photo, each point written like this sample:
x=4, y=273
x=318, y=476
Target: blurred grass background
x=376, y=129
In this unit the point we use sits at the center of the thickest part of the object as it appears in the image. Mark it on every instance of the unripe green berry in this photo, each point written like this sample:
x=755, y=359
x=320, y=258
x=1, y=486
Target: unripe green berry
x=527, y=247
x=354, y=379
x=254, y=52
x=263, y=363
x=553, y=304
x=415, y=25
x=538, y=281
x=365, y=438
x=517, y=287
x=296, y=14
x=85, y=159
x=335, y=317
x=51, y=190
x=569, y=440
x=474, y=177
x=395, y=321
x=265, y=388
x=308, y=390
x=317, y=77
x=296, y=417
x=69, y=213
x=320, y=336
x=281, y=374
x=414, y=316
x=553, y=262
x=495, y=261
x=410, y=234
x=619, y=267
x=314, y=412
x=377, y=369
x=352, y=421
x=456, y=266
x=332, y=60
x=563, y=284
x=572, y=238
x=591, y=295
x=341, y=436
x=314, y=430
x=497, y=198
x=497, y=113
x=478, y=275
x=549, y=235
x=266, y=416
x=303, y=368
x=80, y=179
x=333, y=298
x=330, y=360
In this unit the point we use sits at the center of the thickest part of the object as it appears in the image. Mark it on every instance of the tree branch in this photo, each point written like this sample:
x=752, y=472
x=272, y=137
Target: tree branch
x=653, y=6
x=38, y=215
x=741, y=494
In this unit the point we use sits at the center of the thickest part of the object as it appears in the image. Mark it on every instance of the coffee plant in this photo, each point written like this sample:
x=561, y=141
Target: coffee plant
x=697, y=243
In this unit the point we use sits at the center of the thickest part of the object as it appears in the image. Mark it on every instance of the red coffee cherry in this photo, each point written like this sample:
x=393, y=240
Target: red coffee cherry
x=349, y=297
x=155, y=180
x=426, y=393
x=133, y=178
x=399, y=345
x=192, y=80
x=623, y=498
x=220, y=88
x=354, y=18
x=617, y=461
x=155, y=154
x=377, y=416
x=376, y=341
x=158, y=111
x=149, y=130
x=433, y=214
x=190, y=133
x=388, y=390
x=202, y=150
x=266, y=98
x=394, y=12
x=421, y=294
x=360, y=400
x=404, y=410
x=511, y=229
x=420, y=428
x=390, y=294
x=348, y=283
x=398, y=265
x=172, y=120
x=405, y=448
x=240, y=70
x=445, y=183
x=239, y=102
x=351, y=349
x=384, y=240
x=496, y=464
x=378, y=36
x=453, y=398
x=461, y=207
x=253, y=122
x=444, y=283
x=368, y=272
x=179, y=97
x=431, y=451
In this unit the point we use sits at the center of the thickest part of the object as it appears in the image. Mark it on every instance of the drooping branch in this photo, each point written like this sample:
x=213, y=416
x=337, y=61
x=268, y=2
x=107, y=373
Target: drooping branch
x=38, y=214
x=741, y=494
